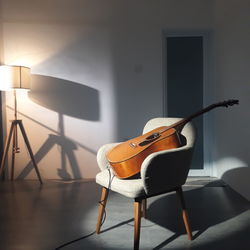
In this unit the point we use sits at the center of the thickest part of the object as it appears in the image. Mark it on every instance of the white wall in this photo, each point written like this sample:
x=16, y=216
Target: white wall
x=97, y=73
x=231, y=147
x=97, y=77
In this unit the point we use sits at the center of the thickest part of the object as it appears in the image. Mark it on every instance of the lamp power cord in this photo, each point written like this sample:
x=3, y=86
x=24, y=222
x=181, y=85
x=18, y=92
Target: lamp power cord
x=102, y=202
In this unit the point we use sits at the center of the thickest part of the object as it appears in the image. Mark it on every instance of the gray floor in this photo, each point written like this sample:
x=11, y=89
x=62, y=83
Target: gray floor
x=43, y=218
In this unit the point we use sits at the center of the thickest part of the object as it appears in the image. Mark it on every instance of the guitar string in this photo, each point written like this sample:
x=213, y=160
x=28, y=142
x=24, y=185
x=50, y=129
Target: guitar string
x=159, y=133
x=189, y=118
x=101, y=202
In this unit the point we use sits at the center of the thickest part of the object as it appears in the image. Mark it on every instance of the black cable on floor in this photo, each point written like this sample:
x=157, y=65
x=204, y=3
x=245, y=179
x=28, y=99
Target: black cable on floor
x=73, y=241
x=103, y=219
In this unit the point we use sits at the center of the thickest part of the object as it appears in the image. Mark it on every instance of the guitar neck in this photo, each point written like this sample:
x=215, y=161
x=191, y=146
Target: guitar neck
x=182, y=122
x=191, y=117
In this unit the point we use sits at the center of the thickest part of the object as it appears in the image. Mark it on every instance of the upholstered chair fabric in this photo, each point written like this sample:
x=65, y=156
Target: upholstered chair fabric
x=160, y=171
x=168, y=169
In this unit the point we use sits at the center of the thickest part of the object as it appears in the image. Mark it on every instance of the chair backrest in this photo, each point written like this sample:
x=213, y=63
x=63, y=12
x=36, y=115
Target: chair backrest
x=168, y=169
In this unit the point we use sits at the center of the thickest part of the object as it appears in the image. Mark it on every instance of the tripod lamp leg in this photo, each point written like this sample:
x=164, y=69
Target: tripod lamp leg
x=30, y=150
x=14, y=151
x=6, y=148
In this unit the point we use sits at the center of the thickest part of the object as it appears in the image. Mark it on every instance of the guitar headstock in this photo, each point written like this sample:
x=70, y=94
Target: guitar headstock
x=212, y=106
x=227, y=103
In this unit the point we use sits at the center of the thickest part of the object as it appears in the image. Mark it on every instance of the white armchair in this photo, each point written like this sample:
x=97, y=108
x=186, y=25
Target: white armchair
x=161, y=172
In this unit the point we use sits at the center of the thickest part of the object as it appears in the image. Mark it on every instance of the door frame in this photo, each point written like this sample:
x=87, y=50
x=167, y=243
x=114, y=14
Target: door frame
x=208, y=168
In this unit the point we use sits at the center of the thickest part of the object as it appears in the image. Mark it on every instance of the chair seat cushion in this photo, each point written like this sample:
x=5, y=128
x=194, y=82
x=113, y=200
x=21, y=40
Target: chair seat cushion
x=131, y=188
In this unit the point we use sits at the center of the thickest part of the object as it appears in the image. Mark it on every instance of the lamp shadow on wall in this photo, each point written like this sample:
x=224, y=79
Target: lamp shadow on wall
x=65, y=98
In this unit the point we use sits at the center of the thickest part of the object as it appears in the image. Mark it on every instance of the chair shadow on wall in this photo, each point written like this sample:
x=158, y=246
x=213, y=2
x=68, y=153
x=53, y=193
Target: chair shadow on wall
x=65, y=98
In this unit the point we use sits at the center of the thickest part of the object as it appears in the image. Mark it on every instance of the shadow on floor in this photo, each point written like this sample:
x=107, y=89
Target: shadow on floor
x=43, y=218
x=208, y=207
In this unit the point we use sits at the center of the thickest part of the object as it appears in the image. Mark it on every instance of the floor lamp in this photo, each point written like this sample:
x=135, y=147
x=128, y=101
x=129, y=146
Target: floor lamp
x=13, y=78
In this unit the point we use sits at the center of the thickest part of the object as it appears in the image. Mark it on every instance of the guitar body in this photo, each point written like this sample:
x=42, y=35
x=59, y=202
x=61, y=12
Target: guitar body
x=127, y=157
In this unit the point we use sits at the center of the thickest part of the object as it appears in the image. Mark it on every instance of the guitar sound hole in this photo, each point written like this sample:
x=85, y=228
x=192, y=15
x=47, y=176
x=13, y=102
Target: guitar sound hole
x=153, y=136
x=149, y=139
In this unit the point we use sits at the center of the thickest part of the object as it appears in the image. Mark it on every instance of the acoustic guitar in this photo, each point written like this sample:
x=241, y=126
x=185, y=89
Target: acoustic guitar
x=126, y=158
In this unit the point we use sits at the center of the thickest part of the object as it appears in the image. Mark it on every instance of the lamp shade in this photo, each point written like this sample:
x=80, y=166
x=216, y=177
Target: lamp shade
x=14, y=77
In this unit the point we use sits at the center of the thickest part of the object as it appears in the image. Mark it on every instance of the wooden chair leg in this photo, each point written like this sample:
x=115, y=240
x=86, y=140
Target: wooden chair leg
x=137, y=223
x=144, y=208
x=184, y=213
x=101, y=210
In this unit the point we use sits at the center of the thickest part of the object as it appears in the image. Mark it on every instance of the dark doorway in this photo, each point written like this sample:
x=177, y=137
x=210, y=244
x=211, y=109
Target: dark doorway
x=184, y=78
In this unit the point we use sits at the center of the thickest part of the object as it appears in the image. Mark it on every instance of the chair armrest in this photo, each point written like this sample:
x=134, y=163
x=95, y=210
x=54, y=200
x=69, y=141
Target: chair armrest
x=165, y=170
x=101, y=155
